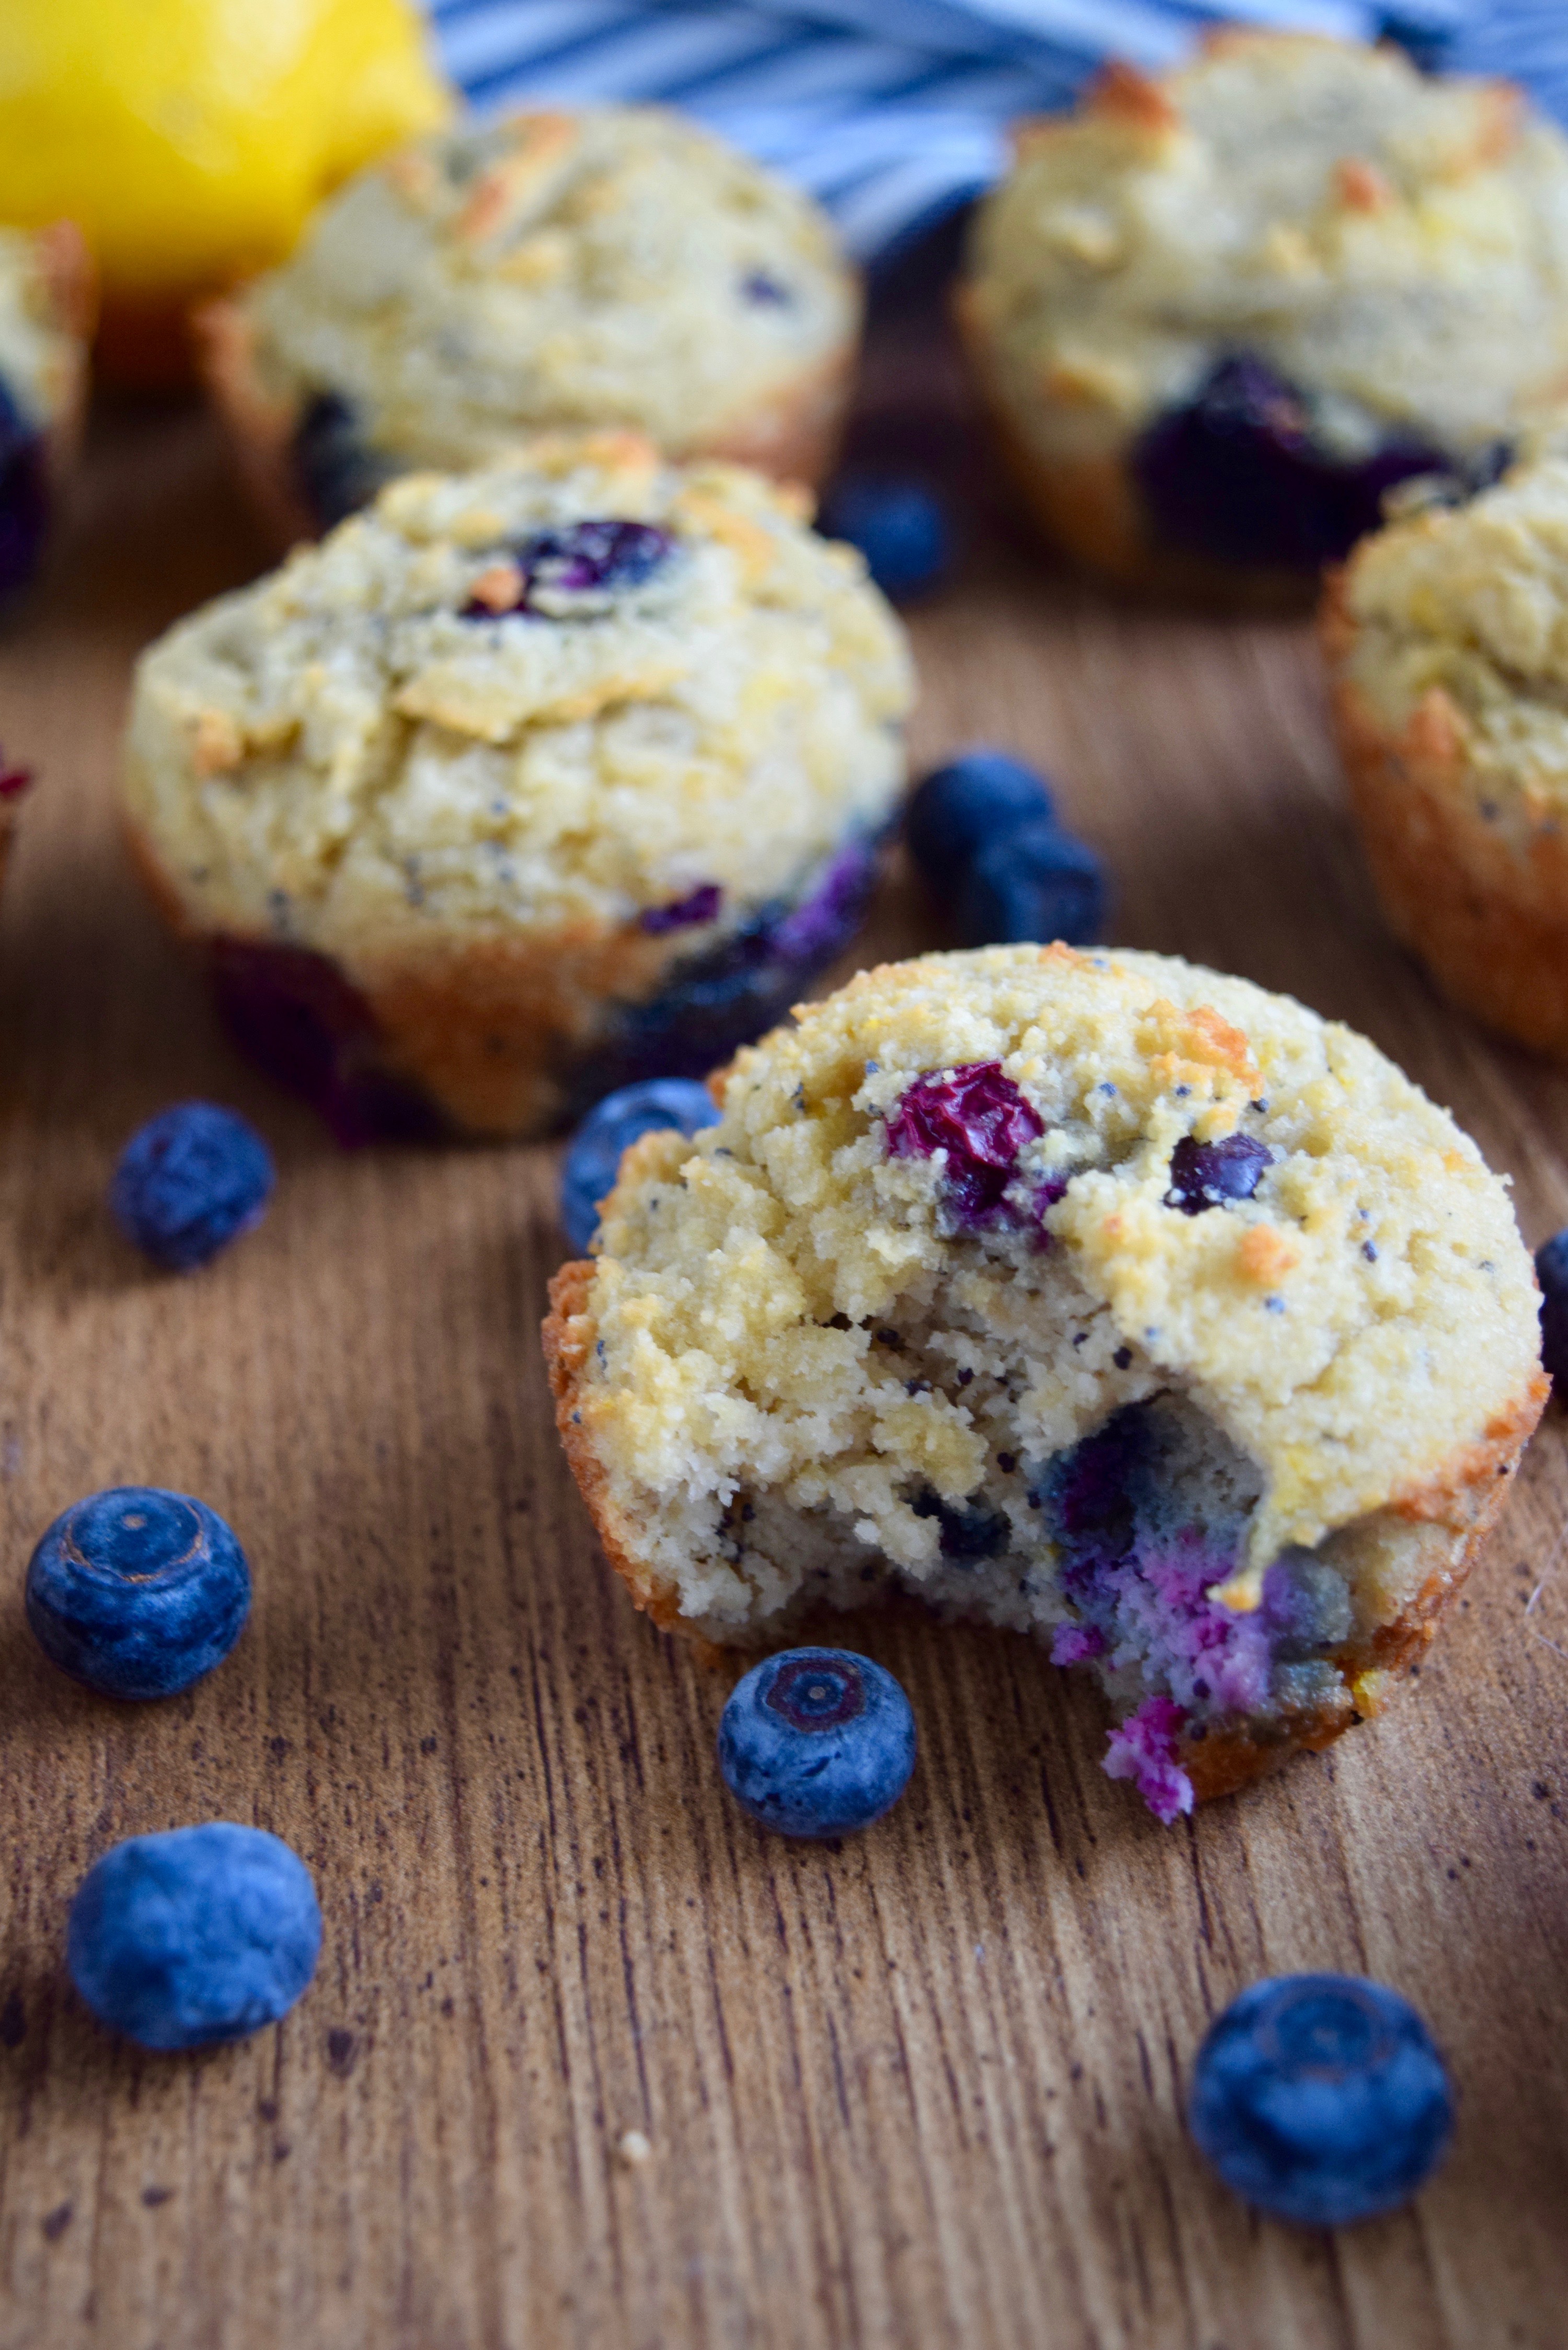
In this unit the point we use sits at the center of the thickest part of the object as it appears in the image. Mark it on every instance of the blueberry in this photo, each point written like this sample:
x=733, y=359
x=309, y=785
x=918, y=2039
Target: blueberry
x=593, y=558
x=816, y=1742
x=23, y=496
x=137, y=1592
x=967, y=1531
x=1237, y=476
x=1036, y=882
x=764, y=291
x=1551, y=1272
x=977, y=1115
x=199, y=1935
x=594, y=1154
x=700, y=905
x=1321, y=2099
x=955, y=810
x=899, y=526
x=336, y=472
x=189, y=1181
x=1206, y=1174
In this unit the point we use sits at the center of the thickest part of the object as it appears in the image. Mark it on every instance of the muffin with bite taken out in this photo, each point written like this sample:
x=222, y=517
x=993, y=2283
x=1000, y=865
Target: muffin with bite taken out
x=1089, y=1294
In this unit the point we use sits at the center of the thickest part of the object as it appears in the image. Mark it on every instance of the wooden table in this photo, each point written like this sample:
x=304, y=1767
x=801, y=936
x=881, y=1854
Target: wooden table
x=923, y=2090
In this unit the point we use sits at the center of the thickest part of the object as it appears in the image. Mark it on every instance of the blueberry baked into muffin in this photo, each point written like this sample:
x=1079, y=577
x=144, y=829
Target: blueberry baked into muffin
x=616, y=266
x=46, y=317
x=1447, y=638
x=523, y=784
x=1092, y=1294
x=1217, y=316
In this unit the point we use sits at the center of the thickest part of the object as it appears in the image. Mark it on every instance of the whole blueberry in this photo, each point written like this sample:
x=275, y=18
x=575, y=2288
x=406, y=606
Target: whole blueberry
x=1036, y=882
x=189, y=1181
x=1204, y=1175
x=1321, y=2099
x=899, y=526
x=199, y=1935
x=611, y=1128
x=336, y=471
x=24, y=495
x=1551, y=1272
x=957, y=808
x=137, y=1592
x=816, y=1742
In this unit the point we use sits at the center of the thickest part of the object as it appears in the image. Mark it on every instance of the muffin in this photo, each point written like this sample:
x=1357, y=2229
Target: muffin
x=1216, y=315
x=46, y=317
x=523, y=784
x=1092, y=1294
x=1447, y=638
x=614, y=267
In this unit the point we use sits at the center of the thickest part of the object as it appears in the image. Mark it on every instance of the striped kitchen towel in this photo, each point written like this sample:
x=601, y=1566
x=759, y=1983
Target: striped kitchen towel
x=893, y=112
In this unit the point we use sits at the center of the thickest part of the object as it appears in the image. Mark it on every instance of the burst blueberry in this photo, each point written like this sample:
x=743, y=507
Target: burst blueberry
x=193, y=1937
x=189, y=1181
x=899, y=526
x=980, y=1118
x=1237, y=475
x=594, y=1154
x=1207, y=1174
x=1551, y=1272
x=137, y=1592
x=563, y=574
x=816, y=1742
x=1036, y=882
x=1321, y=2099
x=958, y=808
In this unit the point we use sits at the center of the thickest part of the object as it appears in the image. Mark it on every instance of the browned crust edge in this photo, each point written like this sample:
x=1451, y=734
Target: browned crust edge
x=1090, y=508
x=1464, y=1497
x=793, y=437
x=1490, y=924
x=485, y=1027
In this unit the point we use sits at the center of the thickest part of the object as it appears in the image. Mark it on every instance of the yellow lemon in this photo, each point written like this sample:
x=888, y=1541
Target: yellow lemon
x=190, y=139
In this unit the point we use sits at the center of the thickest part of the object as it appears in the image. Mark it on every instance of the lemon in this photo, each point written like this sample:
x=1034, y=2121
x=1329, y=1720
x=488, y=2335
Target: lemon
x=190, y=139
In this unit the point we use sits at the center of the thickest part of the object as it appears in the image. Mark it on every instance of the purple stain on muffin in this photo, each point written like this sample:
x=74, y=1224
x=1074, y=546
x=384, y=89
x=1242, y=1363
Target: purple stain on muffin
x=1143, y=1749
x=826, y=920
x=980, y=1119
x=1208, y=1174
x=700, y=905
x=1239, y=475
x=296, y=1016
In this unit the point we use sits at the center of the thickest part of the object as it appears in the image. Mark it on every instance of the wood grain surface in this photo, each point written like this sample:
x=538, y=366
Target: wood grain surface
x=925, y=2089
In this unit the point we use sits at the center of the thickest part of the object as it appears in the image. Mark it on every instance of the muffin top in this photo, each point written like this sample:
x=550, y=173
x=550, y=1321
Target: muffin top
x=1461, y=615
x=1131, y=1175
x=614, y=267
x=37, y=352
x=1394, y=245
x=572, y=690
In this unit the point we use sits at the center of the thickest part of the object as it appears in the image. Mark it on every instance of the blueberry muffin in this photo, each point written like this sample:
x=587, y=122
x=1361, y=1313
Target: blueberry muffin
x=46, y=315
x=1447, y=638
x=1216, y=316
x=1089, y=1294
x=523, y=784
x=614, y=267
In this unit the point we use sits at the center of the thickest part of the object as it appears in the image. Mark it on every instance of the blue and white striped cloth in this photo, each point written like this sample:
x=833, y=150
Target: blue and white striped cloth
x=893, y=112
